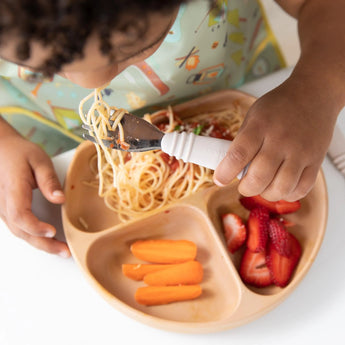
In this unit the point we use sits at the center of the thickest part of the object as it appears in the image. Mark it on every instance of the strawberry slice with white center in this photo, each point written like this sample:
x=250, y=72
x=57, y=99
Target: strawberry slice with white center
x=258, y=229
x=254, y=270
x=235, y=231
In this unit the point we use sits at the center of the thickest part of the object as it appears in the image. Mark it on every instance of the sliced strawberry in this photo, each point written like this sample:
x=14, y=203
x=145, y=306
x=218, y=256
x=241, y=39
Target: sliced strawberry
x=258, y=229
x=279, y=237
x=235, y=231
x=280, y=207
x=282, y=267
x=286, y=222
x=253, y=269
x=249, y=202
x=285, y=207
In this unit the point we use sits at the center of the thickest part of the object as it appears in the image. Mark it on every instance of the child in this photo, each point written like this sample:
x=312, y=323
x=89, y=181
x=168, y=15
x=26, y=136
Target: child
x=159, y=52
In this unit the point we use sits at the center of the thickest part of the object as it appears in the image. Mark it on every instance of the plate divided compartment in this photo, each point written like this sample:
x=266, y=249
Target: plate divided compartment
x=226, y=302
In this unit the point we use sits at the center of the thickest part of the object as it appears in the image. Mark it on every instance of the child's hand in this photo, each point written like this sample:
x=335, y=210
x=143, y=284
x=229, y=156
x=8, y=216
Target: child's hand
x=285, y=137
x=24, y=167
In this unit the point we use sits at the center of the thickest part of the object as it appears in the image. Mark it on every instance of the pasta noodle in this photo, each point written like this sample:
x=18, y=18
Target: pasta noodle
x=133, y=183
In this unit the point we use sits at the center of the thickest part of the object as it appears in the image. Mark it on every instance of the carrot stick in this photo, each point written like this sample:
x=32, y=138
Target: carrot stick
x=157, y=295
x=138, y=271
x=164, y=251
x=187, y=273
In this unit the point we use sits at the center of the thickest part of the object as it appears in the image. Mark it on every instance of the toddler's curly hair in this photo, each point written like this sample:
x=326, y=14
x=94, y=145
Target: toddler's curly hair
x=65, y=25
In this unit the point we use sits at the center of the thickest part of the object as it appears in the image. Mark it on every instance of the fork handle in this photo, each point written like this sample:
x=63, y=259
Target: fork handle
x=205, y=151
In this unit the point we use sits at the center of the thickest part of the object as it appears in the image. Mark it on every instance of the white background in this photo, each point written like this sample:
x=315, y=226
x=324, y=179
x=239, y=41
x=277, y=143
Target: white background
x=45, y=299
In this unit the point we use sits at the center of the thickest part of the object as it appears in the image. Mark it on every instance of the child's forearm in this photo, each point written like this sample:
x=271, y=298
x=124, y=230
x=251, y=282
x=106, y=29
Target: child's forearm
x=6, y=129
x=321, y=26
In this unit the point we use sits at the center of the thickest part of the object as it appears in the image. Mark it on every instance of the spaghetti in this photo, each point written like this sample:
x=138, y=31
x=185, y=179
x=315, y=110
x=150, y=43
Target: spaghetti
x=132, y=183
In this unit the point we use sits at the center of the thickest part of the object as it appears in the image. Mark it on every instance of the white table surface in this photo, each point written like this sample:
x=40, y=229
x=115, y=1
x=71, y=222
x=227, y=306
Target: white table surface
x=45, y=299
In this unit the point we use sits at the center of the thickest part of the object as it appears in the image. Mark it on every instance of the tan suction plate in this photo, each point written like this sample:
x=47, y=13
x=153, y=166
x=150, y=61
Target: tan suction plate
x=226, y=302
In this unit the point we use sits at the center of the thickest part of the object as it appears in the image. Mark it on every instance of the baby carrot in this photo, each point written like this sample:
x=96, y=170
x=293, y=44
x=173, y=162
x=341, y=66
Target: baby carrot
x=164, y=251
x=186, y=273
x=157, y=295
x=138, y=271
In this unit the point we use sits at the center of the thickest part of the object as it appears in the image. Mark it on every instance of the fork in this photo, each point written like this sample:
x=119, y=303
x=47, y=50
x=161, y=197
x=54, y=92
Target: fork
x=141, y=136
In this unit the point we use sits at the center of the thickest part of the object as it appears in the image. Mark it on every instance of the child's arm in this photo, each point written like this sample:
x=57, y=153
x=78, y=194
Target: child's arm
x=24, y=167
x=287, y=132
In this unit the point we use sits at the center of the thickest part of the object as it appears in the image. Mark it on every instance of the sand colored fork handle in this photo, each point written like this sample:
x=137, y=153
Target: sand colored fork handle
x=205, y=151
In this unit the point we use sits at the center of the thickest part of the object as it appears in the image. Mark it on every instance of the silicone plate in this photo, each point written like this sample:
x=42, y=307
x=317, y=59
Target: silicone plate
x=226, y=302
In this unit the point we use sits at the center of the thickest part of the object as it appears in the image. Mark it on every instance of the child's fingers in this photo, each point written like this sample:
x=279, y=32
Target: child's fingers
x=48, y=182
x=24, y=224
x=17, y=207
x=261, y=172
x=305, y=183
x=49, y=245
x=242, y=150
x=18, y=212
x=284, y=181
